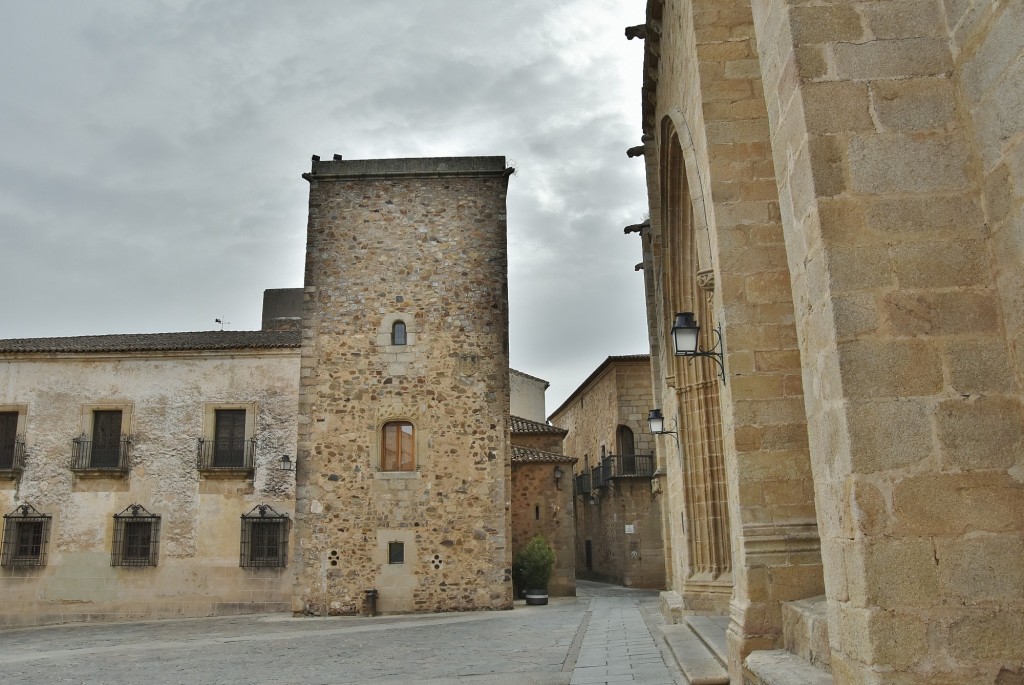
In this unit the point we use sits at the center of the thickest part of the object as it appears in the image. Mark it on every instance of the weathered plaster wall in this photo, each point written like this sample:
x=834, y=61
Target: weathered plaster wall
x=422, y=241
x=198, y=570
x=527, y=396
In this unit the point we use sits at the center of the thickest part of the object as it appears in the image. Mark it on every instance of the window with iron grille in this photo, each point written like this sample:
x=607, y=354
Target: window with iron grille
x=26, y=533
x=136, y=537
x=264, y=538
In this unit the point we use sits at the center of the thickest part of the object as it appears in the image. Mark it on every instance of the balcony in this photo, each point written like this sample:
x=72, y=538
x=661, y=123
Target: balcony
x=581, y=484
x=108, y=455
x=226, y=456
x=12, y=457
x=597, y=477
x=628, y=466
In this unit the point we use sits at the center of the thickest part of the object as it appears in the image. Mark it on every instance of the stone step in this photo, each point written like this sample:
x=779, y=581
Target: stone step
x=805, y=631
x=711, y=631
x=779, y=667
x=698, y=662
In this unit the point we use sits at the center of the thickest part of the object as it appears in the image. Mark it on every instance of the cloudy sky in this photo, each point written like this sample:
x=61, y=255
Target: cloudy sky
x=151, y=152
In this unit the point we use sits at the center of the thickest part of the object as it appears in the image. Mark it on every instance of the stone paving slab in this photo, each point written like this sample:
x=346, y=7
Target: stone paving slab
x=602, y=636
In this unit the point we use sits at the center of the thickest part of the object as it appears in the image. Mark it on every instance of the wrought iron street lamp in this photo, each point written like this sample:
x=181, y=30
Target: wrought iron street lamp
x=686, y=341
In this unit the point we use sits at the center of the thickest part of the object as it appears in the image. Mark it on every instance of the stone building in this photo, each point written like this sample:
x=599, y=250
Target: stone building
x=617, y=491
x=403, y=448
x=141, y=475
x=838, y=189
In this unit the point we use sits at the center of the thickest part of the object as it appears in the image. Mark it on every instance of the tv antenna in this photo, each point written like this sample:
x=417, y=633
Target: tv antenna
x=222, y=322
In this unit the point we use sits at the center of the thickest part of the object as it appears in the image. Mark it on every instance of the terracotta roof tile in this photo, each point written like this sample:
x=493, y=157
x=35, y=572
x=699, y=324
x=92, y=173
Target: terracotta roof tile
x=527, y=455
x=518, y=424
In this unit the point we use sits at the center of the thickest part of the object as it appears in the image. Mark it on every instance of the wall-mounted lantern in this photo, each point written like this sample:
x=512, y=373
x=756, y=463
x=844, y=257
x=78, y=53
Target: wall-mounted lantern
x=686, y=338
x=558, y=476
x=286, y=463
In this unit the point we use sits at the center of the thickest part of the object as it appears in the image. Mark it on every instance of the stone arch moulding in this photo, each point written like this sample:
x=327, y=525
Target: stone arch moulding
x=674, y=121
x=707, y=569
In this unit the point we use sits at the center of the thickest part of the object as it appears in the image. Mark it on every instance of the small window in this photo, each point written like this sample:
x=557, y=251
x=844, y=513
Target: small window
x=398, y=447
x=264, y=538
x=136, y=537
x=26, y=533
x=396, y=552
x=398, y=333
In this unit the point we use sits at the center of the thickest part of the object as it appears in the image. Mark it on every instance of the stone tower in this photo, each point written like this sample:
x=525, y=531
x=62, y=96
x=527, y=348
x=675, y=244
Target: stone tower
x=403, y=456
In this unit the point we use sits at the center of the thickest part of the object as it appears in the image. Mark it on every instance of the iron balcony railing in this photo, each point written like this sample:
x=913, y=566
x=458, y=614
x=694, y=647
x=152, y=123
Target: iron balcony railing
x=597, y=479
x=12, y=455
x=581, y=484
x=628, y=466
x=107, y=454
x=234, y=454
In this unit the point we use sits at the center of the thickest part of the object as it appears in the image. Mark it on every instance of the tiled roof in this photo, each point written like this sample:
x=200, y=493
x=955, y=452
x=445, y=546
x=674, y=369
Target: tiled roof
x=525, y=455
x=157, y=342
x=518, y=424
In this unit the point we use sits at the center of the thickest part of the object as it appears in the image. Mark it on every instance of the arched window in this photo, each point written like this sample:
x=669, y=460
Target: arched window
x=624, y=436
x=398, y=447
x=398, y=333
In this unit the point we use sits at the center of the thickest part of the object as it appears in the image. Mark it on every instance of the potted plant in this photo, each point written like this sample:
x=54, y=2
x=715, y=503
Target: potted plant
x=533, y=566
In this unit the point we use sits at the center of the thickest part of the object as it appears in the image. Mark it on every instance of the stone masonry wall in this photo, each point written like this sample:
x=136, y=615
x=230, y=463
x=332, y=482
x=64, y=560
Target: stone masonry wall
x=421, y=241
x=538, y=508
x=902, y=215
x=707, y=93
x=619, y=396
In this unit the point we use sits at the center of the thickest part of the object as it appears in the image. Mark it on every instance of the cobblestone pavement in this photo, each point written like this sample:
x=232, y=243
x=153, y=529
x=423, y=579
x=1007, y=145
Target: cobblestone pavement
x=602, y=636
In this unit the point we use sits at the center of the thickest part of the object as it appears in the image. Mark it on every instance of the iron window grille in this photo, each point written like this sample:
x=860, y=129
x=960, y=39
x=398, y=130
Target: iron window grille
x=264, y=538
x=26, y=533
x=136, y=537
x=103, y=455
x=232, y=454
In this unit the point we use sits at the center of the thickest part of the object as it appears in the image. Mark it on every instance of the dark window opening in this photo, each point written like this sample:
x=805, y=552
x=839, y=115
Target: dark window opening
x=398, y=336
x=536, y=512
x=589, y=552
x=8, y=438
x=396, y=552
x=106, y=439
x=229, y=438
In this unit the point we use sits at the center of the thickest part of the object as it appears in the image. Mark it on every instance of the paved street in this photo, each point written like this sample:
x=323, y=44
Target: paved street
x=602, y=636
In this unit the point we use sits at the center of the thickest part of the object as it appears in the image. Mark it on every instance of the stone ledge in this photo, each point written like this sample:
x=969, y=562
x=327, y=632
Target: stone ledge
x=805, y=630
x=698, y=663
x=427, y=167
x=779, y=667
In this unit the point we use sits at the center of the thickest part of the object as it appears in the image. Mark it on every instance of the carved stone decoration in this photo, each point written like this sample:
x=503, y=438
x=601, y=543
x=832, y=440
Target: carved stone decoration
x=706, y=280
